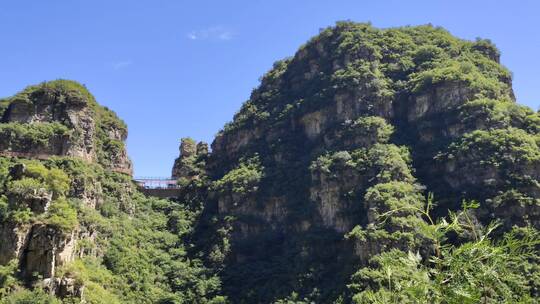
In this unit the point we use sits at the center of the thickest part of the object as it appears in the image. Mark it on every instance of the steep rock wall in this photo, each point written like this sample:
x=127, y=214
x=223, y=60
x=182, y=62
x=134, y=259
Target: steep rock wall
x=361, y=123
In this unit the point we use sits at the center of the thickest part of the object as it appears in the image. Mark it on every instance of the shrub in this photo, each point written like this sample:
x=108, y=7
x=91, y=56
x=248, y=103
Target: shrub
x=8, y=280
x=369, y=129
x=427, y=54
x=31, y=137
x=455, y=71
x=499, y=114
x=4, y=208
x=27, y=188
x=97, y=280
x=509, y=147
x=478, y=271
x=4, y=104
x=487, y=48
x=56, y=180
x=21, y=216
x=36, y=296
x=242, y=179
x=364, y=75
x=62, y=215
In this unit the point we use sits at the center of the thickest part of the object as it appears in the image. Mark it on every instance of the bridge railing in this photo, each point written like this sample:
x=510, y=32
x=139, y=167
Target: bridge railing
x=156, y=182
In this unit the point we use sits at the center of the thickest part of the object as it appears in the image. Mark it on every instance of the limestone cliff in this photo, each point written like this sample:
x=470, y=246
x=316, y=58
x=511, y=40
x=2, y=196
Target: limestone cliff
x=61, y=118
x=185, y=166
x=58, y=144
x=360, y=123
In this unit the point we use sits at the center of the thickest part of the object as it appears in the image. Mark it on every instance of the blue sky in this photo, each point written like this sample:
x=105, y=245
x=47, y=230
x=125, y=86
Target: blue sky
x=172, y=69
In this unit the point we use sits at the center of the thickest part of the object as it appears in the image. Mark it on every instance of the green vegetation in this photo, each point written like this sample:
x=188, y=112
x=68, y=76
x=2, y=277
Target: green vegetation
x=27, y=188
x=394, y=114
x=50, y=138
x=36, y=179
x=455, y=71
x=499, y=114
x=62, y=215
x=30, y=297
x=362, y=74
x=143, y=257
x=385, y=162
x=31, y=137
x=29, y=194
x=333, y=163
x=56, y=180
x=371, y=126
x=479, y=271
x=8, y=279
x=376, y=65
x=242, y=179
x=4, y=103
x=510, y=147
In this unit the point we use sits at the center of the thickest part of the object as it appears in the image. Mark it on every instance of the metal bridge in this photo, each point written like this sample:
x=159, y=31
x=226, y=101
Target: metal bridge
x=147, y=182
x=162, y=187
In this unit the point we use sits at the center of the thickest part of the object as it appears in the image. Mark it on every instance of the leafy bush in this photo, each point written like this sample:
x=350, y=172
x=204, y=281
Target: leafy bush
x=64, y=91
x=487, y=48
x=4, y=104
x=27, y=188
x=397, y=197
x=397, y=277
x=479, y=271
x=56, y=179
x=364, y=75
x=21, y=215
x=62, y=215
x=30, y=297
x=382, y=162
x=427, y=55
x=4, y=208
x=509, y=147
x=110, y=151
x=8, y=280
x=366, y=131
x=242, y=179
x=458, y=71
x=24, y=137
x=98, y=281
x=499, y=114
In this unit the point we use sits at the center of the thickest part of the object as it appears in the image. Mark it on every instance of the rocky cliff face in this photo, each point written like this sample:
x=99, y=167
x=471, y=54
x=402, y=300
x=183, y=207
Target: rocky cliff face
x=61, y=118
x=57, y=144
x=73, y=226
x=186, y=165
x=360, y=123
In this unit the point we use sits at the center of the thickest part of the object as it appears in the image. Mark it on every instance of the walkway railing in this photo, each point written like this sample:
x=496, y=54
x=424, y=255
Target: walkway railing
x=146, y=182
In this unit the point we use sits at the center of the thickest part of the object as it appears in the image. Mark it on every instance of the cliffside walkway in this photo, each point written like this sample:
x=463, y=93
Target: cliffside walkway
x=162, y=187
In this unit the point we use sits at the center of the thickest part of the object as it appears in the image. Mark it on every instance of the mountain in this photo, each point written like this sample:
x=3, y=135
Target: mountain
x=73, y=224
x=373, y=166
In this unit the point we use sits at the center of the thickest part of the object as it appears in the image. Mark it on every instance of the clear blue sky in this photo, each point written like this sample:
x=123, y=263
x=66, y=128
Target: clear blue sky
x=173, y=68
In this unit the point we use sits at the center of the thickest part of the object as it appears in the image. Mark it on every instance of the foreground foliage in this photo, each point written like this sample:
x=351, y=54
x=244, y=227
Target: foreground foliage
x=483, y=270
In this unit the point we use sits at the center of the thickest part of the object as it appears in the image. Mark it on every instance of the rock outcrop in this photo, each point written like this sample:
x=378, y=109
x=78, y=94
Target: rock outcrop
x=188, y=165
x=61, y=118
x=59, y=143
x=361, y=123
x=46, y=249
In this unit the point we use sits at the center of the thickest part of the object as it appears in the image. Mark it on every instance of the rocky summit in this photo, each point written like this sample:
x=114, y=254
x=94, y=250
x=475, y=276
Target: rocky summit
x=373, y=166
